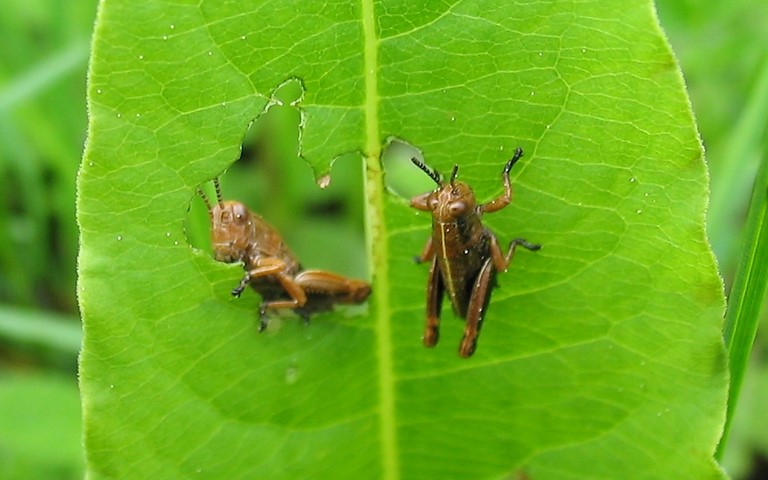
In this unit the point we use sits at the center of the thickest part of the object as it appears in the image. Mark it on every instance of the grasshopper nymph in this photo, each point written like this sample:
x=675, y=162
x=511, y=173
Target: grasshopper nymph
x=465, y=255
x=239, y=235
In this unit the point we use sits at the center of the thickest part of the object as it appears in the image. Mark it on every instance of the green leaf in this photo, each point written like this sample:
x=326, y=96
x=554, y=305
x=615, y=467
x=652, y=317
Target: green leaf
x=601, y=354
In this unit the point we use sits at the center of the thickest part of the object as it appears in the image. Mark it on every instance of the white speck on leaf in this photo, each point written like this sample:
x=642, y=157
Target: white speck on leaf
x=324, y=181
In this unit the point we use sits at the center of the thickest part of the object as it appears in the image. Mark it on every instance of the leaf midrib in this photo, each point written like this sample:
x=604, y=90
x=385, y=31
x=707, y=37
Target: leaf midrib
x=377, y=235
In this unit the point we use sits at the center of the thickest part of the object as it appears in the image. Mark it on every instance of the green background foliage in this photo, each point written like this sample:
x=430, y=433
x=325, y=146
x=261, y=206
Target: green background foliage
x=606, y=344
x=42, y=125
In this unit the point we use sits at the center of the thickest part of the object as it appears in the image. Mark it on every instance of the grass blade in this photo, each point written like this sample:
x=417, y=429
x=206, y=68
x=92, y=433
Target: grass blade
x=747, y=293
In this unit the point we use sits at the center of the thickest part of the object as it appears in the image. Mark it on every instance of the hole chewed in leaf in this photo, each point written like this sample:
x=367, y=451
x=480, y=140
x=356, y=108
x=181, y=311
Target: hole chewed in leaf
x=289, y=93
x=267, y=164
x=272, y=181
x=402, y=177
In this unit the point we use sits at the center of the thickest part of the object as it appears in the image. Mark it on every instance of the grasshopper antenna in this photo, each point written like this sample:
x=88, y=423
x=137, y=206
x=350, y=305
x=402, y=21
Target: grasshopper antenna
x=454, y=173
x=217, y=186
x=207, y=202
x=433, y=174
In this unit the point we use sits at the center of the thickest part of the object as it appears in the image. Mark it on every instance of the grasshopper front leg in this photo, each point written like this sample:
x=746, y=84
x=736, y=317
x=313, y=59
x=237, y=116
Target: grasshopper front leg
x=506, y=197
x=273, y=267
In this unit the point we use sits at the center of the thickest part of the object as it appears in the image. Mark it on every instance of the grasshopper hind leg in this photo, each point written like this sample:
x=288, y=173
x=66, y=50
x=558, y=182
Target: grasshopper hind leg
x=435, y=290
x=478, y=301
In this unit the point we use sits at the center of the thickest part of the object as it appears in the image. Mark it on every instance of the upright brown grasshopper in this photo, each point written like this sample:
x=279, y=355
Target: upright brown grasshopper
x=465, y=255
x=239, y=235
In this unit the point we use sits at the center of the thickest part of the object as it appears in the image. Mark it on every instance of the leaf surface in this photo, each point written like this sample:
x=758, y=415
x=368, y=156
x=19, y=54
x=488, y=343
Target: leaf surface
x=601, y=354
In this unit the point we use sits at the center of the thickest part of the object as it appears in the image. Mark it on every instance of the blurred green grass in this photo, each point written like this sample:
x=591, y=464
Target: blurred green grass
x=42, y=128
x=721, y=49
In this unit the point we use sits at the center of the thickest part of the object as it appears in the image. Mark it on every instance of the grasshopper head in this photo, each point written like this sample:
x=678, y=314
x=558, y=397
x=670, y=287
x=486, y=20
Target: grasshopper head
x=451, y=200
x=231, y=227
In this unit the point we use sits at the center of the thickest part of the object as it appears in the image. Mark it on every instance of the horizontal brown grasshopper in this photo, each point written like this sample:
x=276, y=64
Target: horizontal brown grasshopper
x=465, y=255
x=239, y=235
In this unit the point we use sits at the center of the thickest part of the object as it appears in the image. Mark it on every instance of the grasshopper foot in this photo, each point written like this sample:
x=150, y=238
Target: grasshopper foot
x=263, y=319
x=525, y=243
x=468, y=346
x=431, y=337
